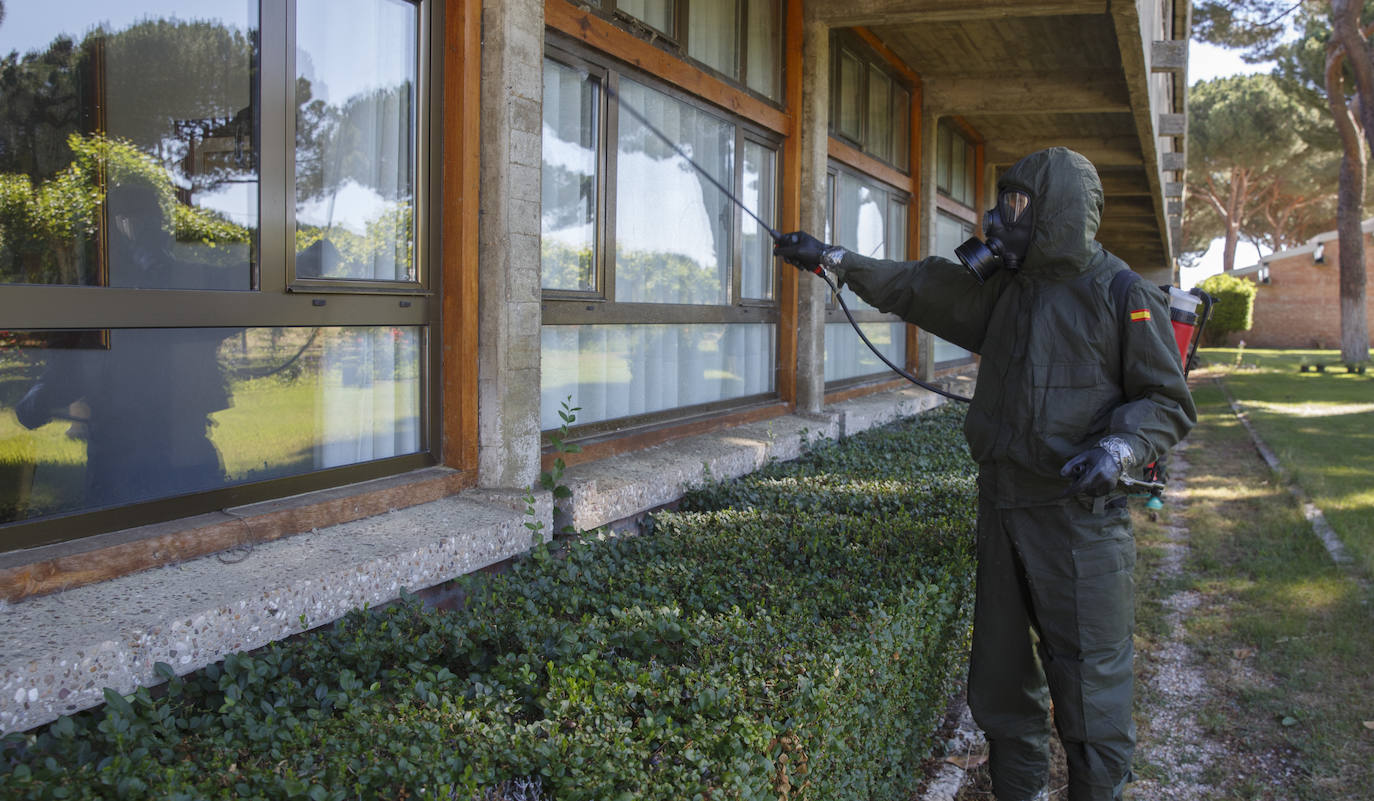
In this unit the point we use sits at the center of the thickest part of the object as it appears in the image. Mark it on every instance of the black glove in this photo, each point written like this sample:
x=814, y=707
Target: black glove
x=1095, y=472
x=801, y=250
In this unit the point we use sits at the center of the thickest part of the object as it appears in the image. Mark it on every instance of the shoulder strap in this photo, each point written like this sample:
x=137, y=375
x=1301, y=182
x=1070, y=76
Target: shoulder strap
x=1121, y=288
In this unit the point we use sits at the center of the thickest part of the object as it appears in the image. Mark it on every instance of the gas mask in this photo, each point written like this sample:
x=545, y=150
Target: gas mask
x=1007, y=227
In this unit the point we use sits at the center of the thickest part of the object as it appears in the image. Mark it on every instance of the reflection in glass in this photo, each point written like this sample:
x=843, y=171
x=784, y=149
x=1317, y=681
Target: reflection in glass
x=355, y=139
x=758, y=196
x=654, y=13
x=152, y=95
x=614, y=371
x=846, y=356
x=672, y=226
x=568, y=214
x=713, y=34
x=92, y=419
x=949, y=233
x=860, y=223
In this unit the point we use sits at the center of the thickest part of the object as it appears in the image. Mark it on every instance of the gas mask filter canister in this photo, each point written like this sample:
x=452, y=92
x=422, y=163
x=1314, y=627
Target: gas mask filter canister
x=1008, y=227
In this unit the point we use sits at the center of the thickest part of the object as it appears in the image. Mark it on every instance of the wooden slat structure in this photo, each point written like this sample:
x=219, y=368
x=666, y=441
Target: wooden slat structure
x=1037, y=73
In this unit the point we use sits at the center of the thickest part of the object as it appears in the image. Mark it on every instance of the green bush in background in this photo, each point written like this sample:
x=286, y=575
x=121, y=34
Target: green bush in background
x=1235, y=305
x=790, y=635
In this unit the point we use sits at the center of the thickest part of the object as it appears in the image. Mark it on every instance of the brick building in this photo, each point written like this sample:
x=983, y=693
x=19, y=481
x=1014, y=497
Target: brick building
x=1298, y=303
x=291, y=292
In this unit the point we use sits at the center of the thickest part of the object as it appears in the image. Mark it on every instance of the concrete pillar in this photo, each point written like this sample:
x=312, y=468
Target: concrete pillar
x=815, y=140
x=930, y=129
x=508, y=239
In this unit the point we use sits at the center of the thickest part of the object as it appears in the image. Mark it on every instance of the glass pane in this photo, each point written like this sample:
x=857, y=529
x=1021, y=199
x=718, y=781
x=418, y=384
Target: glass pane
x=943, y=144
x=949, y=234
x=355, y=139
x=846, y=356
x=901, y=128
x=713, y=34
x=879, y=114
x=970, y=175
x=959, y=166
x=655, y=13
x=764, y=54
x=896, y=231
x=672, y=226
x=568, y=216
x=860, y=224
x=615, y=371
x=847, y=89
x=758, y=196
x=128, y=144
x=93, y=419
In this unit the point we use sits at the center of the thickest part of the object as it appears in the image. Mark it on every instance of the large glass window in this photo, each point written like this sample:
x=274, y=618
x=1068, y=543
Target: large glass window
x=869, y=106
x=658, y=290
x=955, y=175
x=950, y=232
x=737, y=38
x=242, y=183
x=868, y=218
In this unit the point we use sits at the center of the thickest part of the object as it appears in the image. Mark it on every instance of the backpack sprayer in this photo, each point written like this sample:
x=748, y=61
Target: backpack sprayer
x=777, y=236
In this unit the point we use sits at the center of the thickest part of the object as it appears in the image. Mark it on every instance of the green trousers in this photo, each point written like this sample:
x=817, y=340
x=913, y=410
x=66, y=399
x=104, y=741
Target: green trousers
x=1053, y=621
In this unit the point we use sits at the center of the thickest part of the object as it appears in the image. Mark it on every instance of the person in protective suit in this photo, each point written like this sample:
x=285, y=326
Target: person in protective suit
x=1071, y=395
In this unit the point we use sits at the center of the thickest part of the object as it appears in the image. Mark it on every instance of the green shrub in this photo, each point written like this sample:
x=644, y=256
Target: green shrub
x=1235, y=305
x=789, y=635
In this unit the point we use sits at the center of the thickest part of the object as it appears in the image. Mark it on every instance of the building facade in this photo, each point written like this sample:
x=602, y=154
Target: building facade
x=1298, y=295
x=294, y=295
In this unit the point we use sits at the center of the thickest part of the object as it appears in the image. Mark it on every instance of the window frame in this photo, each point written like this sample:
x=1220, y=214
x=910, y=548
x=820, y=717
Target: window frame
x=898, y=136
x=563, y=307
x=833, y=312
x=678, y=41
x=276, y=299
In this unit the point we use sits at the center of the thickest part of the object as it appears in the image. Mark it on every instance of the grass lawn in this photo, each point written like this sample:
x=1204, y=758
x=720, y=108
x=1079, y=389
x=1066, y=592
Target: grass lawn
x=1283, y=634
x=1321, y=426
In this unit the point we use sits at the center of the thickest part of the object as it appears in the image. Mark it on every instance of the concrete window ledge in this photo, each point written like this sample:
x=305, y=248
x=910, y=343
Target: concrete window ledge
x=61, y=650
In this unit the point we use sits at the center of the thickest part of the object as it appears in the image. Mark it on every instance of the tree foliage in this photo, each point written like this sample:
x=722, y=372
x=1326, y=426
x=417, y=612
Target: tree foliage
x=1235, y=305
x=1251, y=175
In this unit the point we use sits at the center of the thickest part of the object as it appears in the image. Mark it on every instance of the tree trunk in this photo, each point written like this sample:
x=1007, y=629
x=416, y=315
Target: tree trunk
x=1349, y=207
x=1235, y=217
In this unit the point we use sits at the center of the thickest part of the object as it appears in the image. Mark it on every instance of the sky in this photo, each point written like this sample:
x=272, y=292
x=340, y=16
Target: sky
x=1206, y=62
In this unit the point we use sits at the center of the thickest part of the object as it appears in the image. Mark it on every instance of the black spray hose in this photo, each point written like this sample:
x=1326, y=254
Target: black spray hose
x=777, y=240
x=899, y=371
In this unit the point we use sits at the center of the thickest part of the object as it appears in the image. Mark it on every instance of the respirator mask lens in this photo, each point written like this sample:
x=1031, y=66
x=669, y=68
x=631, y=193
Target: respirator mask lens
x=1013, y=205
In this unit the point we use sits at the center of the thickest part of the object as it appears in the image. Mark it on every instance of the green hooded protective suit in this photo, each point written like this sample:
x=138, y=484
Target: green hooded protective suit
x=1061, y=368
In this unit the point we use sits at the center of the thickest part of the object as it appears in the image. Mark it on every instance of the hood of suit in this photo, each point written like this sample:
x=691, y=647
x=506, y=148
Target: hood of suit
x=1066, y=196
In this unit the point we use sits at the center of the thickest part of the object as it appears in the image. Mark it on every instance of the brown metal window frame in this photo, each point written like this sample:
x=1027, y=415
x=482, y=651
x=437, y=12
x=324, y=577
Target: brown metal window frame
x=860, y=45
x=833, y=312
x=678, y=41
x=599, y=307
x=277, y=301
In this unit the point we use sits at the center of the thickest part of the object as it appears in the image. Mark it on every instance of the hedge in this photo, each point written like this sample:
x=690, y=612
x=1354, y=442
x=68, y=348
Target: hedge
x=1234, y=306
x=790, y=635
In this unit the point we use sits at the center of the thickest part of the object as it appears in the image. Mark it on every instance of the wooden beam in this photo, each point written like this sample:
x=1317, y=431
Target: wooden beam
x=893, y=60
x=1028, y=93
x=867, y=164
x=458, y=235
x=906, y=12
x=1169, y=56
x=585, y=26
x=1124, y=183
x=1108, y=151
x=790, y=218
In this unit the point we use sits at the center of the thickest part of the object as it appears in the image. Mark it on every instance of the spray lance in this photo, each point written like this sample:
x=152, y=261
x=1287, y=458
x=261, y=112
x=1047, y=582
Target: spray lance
x=777, y=238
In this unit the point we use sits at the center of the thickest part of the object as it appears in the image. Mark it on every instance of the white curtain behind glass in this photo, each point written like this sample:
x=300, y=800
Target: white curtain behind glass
x=758, y=196
x=672, y=226
x=846, y=356
x=656, y=13
x=949, y=234
x=761, y=69
x=615, y=371
x=369, y=397
x=713, y=34
x=354, y=144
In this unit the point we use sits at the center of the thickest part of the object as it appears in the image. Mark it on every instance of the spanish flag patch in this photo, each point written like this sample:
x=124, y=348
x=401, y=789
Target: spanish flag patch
x=1140, y=314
